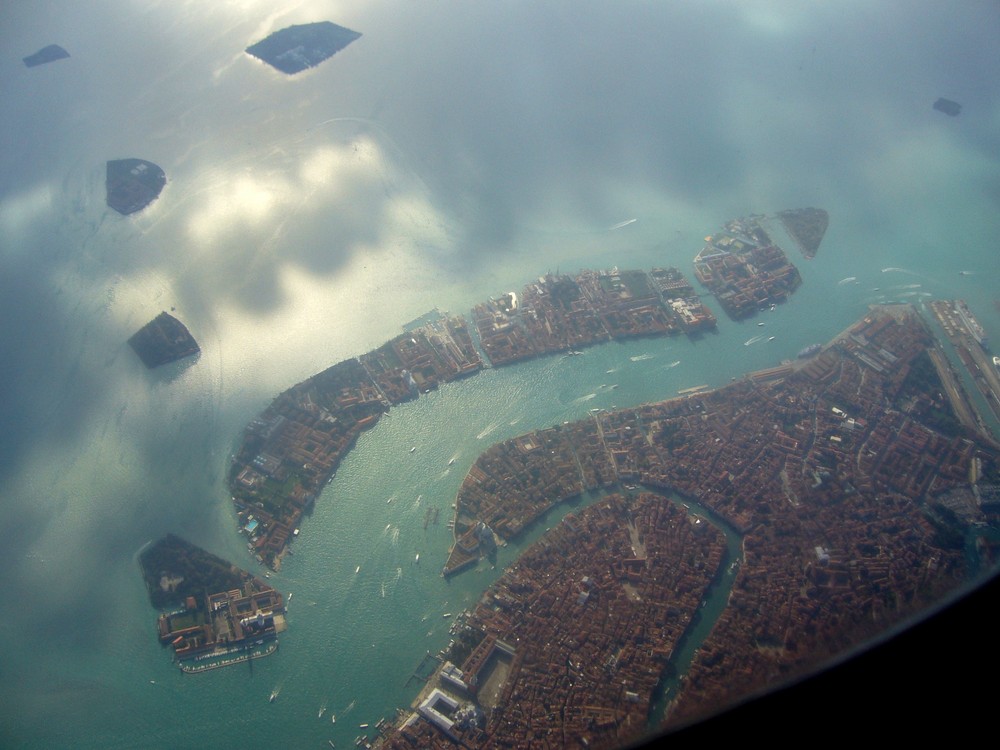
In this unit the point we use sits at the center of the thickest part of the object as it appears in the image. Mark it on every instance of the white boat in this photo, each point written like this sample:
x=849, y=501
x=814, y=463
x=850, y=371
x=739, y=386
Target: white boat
x=357, y=569
x=770, y=338
x=451, y=462
x=417, y=558
x=413, y=449
x=446, y=614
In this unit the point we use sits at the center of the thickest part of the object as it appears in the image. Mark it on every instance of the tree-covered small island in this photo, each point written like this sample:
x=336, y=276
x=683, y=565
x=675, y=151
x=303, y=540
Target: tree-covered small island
x=806, y=226
x=163, y=340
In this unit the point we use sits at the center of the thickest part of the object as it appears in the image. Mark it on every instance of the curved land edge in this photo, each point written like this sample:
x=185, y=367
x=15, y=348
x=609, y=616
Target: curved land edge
x=292, y=450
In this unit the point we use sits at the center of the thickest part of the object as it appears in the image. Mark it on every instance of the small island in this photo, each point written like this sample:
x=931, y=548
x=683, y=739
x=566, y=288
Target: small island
x=48, y=54
x=950, y=108
x=745, y=270
x=132, y=184
x=221, y=614
x=806, y=226
x=296, y=48
x=163, y=340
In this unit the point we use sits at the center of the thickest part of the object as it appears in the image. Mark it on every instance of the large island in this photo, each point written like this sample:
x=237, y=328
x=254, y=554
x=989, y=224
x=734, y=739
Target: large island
x=854, y=481
x=854, y=489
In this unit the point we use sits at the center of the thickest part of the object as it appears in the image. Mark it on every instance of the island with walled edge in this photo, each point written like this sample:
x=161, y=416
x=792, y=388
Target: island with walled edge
x=132, y=184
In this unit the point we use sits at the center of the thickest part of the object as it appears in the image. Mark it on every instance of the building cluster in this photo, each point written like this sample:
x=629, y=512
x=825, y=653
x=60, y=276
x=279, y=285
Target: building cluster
x=579, y=629
x=744, y=269
x=559, y=313
x=224, y=623
x=838, y=471
x=293, y=449
x=971, y=345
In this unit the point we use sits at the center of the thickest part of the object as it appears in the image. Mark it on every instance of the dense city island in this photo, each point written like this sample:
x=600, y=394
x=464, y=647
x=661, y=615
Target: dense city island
x=854, y=480
x=854, y=485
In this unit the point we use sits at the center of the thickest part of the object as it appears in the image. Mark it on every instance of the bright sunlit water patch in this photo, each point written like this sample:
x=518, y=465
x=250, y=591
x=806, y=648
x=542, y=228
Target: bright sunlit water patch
x=19, y=210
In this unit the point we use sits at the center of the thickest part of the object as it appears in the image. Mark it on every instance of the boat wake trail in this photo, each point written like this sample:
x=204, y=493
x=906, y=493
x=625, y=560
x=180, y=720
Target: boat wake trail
x=621, y=224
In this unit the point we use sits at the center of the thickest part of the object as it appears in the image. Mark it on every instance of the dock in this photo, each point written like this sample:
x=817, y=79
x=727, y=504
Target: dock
x=425, y=669
x=692, y=389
